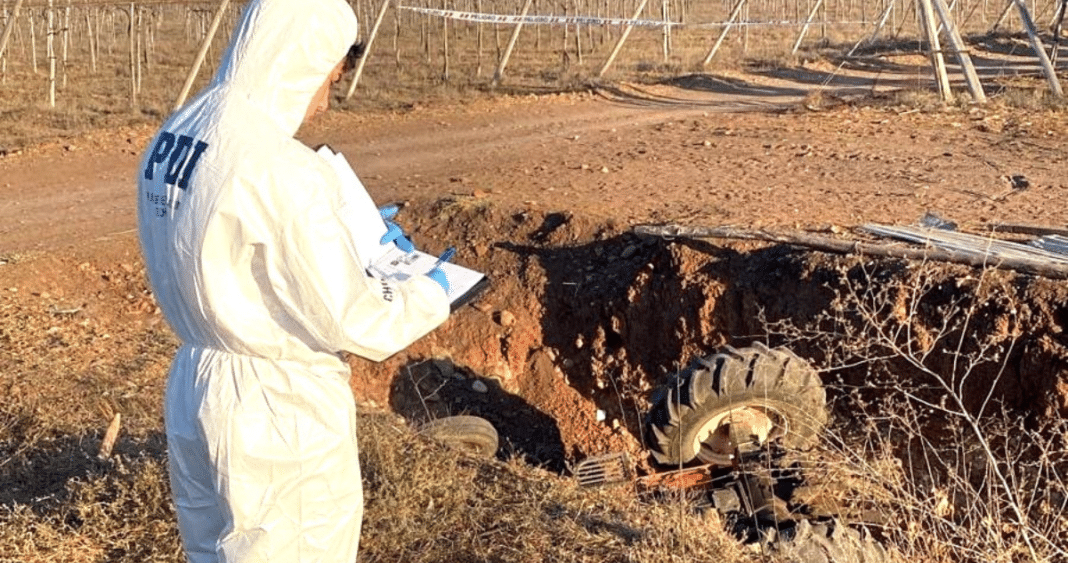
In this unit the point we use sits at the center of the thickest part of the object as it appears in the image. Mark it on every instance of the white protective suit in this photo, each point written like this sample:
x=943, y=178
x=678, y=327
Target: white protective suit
x=254, y=269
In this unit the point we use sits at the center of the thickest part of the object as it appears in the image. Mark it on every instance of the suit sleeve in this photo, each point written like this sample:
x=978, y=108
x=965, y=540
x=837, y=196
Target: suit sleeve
x=315, y=272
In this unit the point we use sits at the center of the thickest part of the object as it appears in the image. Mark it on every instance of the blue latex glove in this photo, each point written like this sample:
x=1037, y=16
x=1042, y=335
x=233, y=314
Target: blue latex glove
x=394, y=233
x=396, y=236
x=439, y=276
x=436, y=274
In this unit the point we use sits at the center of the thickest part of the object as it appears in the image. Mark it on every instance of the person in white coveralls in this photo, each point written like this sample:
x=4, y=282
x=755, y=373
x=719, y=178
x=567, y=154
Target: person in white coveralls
x=255, y=271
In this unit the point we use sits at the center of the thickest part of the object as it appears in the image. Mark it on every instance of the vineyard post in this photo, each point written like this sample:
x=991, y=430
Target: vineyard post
x=899, y=26
x=667, y=29
x=1004, y=14
x=3, y=59
x=66, y=41
x=33, y=41
x=723, y=34
x=424, y=33
x=51, y=51
x=201, y=54
x=878, y=27
x=92, y=40
x=941, y=22
x=133, y=59
x=1040, y=51
x=622, y=39
x=975, y=86
x=804, y=28
x=444, y=46
x=578, y=43
x=564, y=29
x=499, y=73
x=478, y=42
x=746, y=28
x=938, y=60
x=10, y=26
x=139, y=45
x=823, y=21
x=396, y=38
x=367, y=48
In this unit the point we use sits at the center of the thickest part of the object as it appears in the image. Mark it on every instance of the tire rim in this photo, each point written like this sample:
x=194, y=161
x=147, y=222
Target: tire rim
x=718, y=438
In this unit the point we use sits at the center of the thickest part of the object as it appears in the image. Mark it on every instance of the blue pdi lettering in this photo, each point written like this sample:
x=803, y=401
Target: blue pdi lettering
x=181, y=153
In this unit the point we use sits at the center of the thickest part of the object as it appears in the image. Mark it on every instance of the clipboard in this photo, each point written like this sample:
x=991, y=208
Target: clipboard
x=388, y=262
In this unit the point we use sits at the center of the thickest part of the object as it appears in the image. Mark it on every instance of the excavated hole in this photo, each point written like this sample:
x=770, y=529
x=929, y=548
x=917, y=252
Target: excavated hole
x=584, y=320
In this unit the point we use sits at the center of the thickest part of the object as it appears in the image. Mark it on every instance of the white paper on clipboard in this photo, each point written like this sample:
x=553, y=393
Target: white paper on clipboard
x=386, y=261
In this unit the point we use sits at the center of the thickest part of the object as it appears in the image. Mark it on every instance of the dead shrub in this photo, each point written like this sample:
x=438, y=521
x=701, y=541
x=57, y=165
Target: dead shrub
x=934, y=444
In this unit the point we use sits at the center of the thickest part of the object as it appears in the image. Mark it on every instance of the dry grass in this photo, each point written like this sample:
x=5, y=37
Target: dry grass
x=932, y=445
x=424, y=503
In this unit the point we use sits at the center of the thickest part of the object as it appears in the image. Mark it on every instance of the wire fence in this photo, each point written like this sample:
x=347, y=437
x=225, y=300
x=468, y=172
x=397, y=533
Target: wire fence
x=133, y=56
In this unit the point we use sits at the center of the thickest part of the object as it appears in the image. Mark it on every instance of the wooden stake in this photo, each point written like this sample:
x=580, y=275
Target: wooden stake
x=804, y=28
x=110, y=436
x=66, y=41
x=938, y=61
x=396, y=39
x=92, y=41
x=723, y=34
x=445, y=48
x=622, y=40
x=1040, y=51
x=975, y=86
x=874, y=34
x=133, y=56
x=578, y=44
x=201, y=54
x=33, y=42
x=367, y=49
x=499, y=73
x=478, y=42
x=1004, y=14
x=50, y=47
x=667, y=30
x=140, y=45
x=10, y=26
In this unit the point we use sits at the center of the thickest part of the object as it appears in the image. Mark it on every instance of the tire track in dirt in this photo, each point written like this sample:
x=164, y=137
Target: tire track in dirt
x=67, y=194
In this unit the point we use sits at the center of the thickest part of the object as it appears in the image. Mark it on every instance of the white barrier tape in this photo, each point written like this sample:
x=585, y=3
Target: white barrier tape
x=589, y=20
x=534, y=20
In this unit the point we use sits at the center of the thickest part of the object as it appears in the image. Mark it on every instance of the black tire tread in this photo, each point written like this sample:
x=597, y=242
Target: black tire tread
x=465, y=432
x=756, y=375
x=826, y=542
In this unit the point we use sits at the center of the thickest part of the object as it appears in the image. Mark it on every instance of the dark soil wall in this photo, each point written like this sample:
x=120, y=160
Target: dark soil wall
x=586, y=317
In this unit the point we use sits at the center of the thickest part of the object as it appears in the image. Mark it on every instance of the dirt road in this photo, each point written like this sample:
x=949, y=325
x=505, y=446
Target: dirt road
x=634, y=153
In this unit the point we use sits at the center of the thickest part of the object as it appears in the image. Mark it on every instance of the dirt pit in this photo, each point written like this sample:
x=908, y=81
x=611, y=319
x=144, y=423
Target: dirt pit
x=584, y=319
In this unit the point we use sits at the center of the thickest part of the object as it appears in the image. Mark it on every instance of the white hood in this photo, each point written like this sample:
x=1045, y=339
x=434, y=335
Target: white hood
x=281, y=53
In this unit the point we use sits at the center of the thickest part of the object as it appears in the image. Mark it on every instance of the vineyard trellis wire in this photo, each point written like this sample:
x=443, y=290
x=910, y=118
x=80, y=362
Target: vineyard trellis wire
x=154, y=43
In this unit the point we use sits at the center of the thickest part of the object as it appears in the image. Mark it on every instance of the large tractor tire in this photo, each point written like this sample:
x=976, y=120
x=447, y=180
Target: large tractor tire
x=471, y=434
x=734, y=398
x=825, y=542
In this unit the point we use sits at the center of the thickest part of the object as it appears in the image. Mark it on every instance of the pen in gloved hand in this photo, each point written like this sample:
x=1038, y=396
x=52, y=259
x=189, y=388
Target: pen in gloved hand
x=445, y=257
x=435, y=272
